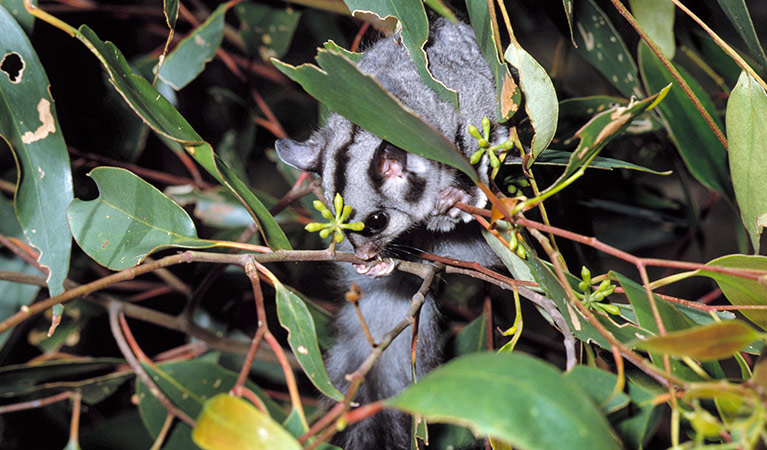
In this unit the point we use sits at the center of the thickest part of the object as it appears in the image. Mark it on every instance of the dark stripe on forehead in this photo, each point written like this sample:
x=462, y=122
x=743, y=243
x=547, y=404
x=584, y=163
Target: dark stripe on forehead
x=416, y=187
x=342, y=161
x=458, y=139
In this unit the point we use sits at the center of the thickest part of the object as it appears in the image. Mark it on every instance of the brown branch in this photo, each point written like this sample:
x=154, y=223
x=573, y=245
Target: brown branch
x=33, y=404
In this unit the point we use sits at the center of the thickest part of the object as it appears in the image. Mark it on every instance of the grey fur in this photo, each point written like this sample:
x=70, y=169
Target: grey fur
x=343, y=154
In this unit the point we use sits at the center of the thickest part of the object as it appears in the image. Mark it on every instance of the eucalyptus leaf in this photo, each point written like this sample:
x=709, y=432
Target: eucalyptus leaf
x=696, y=142
x=231, y=423
x=747, y=141
x=737, y=12
x=513, y=398
x=602, y=46
x=28, y=123
x=414, y=30
x=657, y=19
x=191, y=55
x=302, y=336
x=340, y=85
x=266, y=31
x=541, y=102
x=129, y=220
x=739, y=290
x=706, y=343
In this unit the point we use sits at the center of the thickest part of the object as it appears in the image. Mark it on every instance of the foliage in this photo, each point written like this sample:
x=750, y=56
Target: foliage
x=629, y=204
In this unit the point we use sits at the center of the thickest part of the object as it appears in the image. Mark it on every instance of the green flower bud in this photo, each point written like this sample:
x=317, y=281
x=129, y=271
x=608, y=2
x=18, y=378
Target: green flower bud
x=338, y=203
x=474, y=132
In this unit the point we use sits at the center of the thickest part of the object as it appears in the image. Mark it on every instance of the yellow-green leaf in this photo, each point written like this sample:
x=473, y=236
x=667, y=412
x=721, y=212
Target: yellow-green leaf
x=706, y=343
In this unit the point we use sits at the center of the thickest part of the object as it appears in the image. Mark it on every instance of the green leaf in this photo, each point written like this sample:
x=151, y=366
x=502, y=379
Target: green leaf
x=170, y=9
x=129, y=220
x=266, y=31
x=191, y=55
x=29, y=125
x=562, y=158
x=601, y=45
x=673, y=320
x=510, y=397
x=705, y=343
x=657, y=19
x=739, y=290
x=19, y=12
x=414, y=31
x=231, y=423
x=600, y=385
x=600, y=130
x=189, y=384
x=701, y=150
x=163, y=118
x=541, y=102
x=302, y=336
x=737, y=12
x=473, y=338
x=343, y=88
x=747, y=140
x=480, y=17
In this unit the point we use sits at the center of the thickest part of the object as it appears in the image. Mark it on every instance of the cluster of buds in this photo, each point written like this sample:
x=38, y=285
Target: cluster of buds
x=594, y=299
x=335, y=222
x=484, y=145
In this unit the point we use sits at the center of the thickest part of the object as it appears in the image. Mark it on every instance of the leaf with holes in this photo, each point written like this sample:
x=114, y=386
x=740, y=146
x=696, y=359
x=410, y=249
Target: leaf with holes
x=29, y=125
x=129, y=220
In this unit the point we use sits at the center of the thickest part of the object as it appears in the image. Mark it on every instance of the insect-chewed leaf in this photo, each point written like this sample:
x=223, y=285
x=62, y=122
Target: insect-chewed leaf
x=513, y=398
x=746, y=138
x=739, y=290
x=706, y=343
x=340, y=85
x=28, y=123
x=231, y=423
x=540, y=97
x=601, y=129
x=302, y=336
x=129, y=220
x=415, y=31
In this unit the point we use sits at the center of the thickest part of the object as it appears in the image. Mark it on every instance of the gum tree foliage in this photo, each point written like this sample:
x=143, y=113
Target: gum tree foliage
x=145, y=131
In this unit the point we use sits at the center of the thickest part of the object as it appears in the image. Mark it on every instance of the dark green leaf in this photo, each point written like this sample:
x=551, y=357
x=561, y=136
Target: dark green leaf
x=266, y=31
x=510, y=397
x=562, y=158
x=295, y=317
x=343, y=88
x=737, y=12
x=541, y=102
x=601, y=45
x=415, y=32
x=95, y=377
x=473, y=338
x=163, y=118
x=29, y=125
x=231, y=423
x=19, y=12
x=129, y=220
x=706, y=343
x=739, y=290
x=696, y=142
x=746, y=137
x=191, y=55
x=170, y=9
